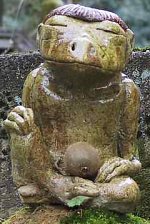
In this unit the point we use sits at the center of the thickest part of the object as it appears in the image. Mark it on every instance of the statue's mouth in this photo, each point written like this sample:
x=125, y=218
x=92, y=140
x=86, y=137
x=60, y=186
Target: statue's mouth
x=74, y=63
x=79, y=66
x=80, y=74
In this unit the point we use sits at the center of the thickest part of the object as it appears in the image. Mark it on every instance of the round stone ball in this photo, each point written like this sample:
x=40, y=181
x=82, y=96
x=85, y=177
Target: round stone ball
x=82, y=160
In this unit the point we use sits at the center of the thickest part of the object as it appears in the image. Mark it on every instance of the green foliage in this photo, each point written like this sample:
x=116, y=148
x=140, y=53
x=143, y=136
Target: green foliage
x=30, y=15
x=135, y=13
x=143, y=49
x=48, y=5
x=97, y=216
x=138, y=18
x=77, y=201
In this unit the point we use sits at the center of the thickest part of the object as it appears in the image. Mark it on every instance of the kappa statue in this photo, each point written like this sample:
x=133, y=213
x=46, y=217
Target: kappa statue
x=74, y=134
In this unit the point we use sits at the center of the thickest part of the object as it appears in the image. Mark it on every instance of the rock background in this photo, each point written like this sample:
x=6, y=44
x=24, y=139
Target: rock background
x=13, y=71
x=139, y=70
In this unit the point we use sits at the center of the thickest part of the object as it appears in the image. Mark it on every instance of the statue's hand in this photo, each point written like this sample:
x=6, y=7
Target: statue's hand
x=65, y=188
x=83, y=187
x=20, y=121
x=116, y=167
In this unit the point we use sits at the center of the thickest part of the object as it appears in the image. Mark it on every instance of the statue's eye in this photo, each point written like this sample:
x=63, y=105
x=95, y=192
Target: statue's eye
x=56, y=24
x=108, y=31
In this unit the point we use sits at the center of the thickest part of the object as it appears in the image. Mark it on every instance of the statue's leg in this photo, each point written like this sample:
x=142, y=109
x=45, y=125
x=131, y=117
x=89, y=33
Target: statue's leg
x=121, y=194
x=30, y=161
x=29, y=156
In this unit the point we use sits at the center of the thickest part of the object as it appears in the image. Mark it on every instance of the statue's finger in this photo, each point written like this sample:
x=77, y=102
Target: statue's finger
x=30, y=117
x=12, y=127
x=107, y=164
x=30, y=113
x=22, y=123
x=13, y=116
x=109, y=170
x=85, y=191
x=22, y=111
x=19, y=109
x=27, y=115
x=117, y=172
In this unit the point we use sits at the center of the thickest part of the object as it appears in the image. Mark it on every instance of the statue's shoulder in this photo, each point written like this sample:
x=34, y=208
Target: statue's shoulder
x=31, y=83
x=126, y=79
x=35, y=74
x=131, y=89
x=40, y=70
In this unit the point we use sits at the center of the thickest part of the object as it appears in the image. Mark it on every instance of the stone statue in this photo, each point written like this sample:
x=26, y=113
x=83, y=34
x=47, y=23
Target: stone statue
x=74, y=135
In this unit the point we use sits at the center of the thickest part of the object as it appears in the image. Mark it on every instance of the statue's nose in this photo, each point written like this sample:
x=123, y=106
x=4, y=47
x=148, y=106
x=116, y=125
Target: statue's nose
x=82, y=48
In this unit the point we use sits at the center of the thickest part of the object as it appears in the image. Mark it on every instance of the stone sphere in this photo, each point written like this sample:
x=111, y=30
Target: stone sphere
x=82, y=160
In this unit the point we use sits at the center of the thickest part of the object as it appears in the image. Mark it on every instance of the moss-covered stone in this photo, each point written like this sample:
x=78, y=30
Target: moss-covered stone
x=45, y=215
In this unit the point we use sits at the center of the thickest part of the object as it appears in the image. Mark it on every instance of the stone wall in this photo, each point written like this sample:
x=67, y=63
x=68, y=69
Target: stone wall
x=13, y=71
x=139, y=70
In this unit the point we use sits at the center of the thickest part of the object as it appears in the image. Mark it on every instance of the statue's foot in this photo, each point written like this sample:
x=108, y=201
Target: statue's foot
x=122, y=195
x=31, y=194
x=29, y=190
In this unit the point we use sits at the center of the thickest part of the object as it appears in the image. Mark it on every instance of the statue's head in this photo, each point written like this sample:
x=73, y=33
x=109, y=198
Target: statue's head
x=80, y=35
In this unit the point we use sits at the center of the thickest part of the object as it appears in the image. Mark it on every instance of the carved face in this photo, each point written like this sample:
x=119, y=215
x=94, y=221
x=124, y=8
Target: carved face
x=104, y=45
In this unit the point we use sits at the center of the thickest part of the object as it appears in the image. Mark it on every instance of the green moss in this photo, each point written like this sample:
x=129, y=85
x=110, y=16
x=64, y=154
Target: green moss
x=142, y=49
x=43, y=215
x=96, y=216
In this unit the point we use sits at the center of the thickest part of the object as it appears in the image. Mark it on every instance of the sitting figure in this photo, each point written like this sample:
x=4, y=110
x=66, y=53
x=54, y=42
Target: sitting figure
x=78, y=98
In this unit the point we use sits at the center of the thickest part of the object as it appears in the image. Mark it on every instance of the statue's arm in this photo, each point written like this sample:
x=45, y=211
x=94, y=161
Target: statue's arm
x=129, y=126
x=129, y=120
x=29, y=83
x=126, y=163
x=25, y=138
x=20, y=120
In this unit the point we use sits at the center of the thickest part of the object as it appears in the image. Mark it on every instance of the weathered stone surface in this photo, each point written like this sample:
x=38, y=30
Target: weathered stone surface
x=143, y=179
x=139, y=70
x=13, y=71
x=78, y=95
